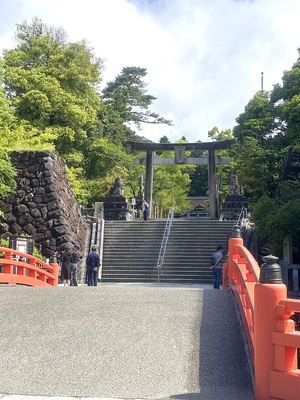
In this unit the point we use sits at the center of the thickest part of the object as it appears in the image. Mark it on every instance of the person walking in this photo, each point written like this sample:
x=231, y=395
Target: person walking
x=75, y=257
x=66, y=266
x=145, y=210
x=216, y=266
x=92, y=266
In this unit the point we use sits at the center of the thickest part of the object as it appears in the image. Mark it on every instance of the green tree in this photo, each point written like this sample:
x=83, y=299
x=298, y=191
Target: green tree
x=112, y=127
x=258, y=120
x=224, y=171
x=258, y=168
x=7, y=172
x=53, y=87
x=164, y=139
x=258, y=154
x=171, y=184
x=286, y=100
x=266, y=131
x=170, y=188
x=128, y=96
x=103, y=156
x=275, y=221
x=199, y=181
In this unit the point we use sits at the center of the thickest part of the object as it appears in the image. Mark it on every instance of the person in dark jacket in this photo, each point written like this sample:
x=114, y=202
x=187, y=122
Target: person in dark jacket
x=145, y=207
x=66, y=266
x=74, y=264
x=92, y=266
x=216, y=266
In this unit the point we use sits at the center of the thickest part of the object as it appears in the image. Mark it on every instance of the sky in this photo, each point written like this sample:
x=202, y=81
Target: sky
x=204, y=58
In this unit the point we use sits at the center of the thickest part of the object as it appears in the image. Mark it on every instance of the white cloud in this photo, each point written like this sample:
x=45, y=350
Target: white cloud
x=204, y=58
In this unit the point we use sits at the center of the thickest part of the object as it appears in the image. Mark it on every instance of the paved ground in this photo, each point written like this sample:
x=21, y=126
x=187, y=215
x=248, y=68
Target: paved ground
x=133, y=341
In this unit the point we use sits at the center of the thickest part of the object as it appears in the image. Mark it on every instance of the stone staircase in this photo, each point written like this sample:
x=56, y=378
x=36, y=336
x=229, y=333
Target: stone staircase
x=131, y=250
x=191, y=244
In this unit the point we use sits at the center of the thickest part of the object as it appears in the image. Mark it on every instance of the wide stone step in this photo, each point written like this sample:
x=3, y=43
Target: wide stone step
x=169, y=261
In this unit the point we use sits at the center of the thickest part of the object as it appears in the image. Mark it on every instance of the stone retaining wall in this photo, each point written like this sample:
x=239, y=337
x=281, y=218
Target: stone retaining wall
x=44, y=206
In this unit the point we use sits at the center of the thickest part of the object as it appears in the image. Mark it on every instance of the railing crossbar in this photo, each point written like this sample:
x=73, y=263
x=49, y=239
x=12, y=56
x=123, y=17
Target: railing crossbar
x=265, y=313
x=25, y=269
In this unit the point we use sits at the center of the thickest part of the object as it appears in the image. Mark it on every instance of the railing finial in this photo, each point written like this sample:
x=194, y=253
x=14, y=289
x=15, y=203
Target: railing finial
x=270, y=271
x=236, y=232
x=53, y=259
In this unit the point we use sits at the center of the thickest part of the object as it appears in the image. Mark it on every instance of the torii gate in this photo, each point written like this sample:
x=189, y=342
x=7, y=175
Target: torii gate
x=180, y=158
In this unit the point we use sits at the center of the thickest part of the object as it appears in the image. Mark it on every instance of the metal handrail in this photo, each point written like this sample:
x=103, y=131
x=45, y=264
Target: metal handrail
x=243, y=216
x=102, y=223
x=163, y=247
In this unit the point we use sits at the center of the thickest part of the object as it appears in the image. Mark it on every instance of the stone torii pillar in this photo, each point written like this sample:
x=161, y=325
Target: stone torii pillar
x=149, y=180
x=180, y=158
x=212, y=183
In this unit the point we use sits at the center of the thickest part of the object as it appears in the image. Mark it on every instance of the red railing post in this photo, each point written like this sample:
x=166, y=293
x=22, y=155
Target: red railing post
x=265, y=311
x=54, y=264
x=267, y=294
x=236, y=239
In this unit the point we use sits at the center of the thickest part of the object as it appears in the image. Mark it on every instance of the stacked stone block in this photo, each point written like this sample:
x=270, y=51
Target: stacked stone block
x=43, y=206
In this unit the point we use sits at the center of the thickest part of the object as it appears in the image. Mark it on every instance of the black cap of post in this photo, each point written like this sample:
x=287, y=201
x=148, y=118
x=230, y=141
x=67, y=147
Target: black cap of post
x=53, y=259
x=236, y=232
x=270, y=271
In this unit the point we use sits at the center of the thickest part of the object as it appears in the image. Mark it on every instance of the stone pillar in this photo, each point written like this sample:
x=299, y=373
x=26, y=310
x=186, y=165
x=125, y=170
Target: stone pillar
x=212, y=182
x=149, y=180
x=116, y=208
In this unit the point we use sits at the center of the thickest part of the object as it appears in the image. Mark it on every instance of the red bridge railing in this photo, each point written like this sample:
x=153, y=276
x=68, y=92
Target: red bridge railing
x=18, y=268
x=266, y=314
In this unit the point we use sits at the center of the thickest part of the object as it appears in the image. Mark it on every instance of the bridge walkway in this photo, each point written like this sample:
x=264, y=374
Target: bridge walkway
x=122, y=341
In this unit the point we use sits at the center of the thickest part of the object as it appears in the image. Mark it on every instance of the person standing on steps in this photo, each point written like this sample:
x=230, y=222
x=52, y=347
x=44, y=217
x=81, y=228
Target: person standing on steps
x=66, y=266
x=145, y=210
x=74, y=264
x=216, y=266
x=92, y=266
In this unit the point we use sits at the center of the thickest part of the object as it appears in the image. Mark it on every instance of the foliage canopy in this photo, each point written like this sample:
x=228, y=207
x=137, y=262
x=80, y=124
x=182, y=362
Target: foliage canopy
x=50, y=98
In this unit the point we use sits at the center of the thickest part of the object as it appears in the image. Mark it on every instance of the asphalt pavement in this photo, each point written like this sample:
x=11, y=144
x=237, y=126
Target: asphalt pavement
x=121, y=341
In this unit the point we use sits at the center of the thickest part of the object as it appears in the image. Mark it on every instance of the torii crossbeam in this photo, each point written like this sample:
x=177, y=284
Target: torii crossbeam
x=180, y=158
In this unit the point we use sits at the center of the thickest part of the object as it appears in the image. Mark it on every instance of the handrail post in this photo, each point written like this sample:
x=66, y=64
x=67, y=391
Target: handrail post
x=54, y=264
x=236, y=239
x=267, y=294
